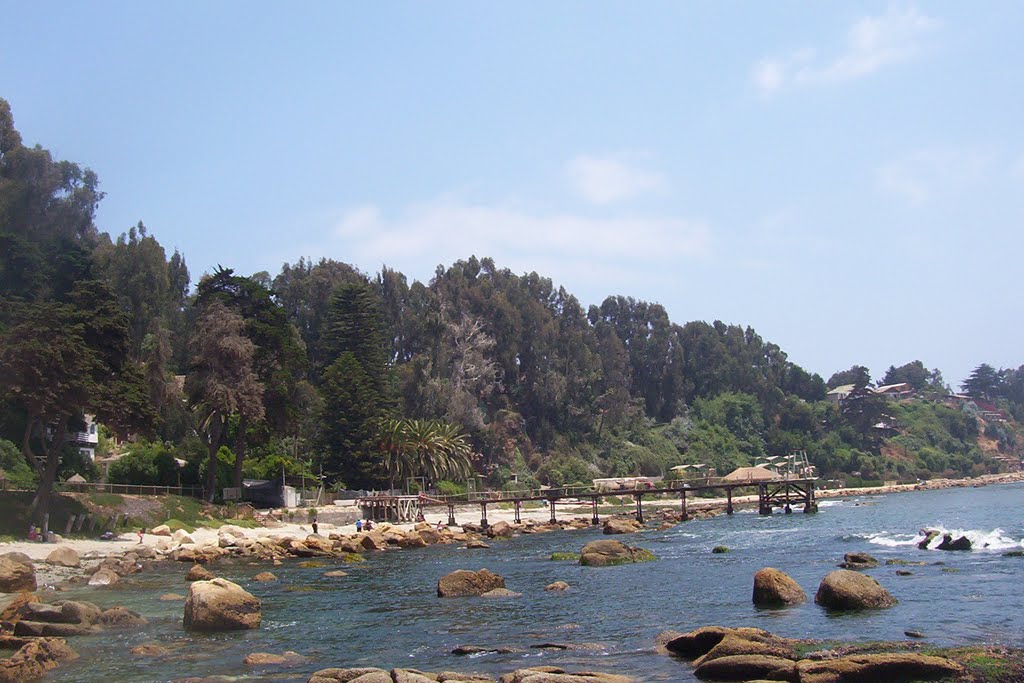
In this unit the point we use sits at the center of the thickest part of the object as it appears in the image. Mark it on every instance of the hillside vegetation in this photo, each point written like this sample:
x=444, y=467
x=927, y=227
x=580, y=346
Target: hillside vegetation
x=372, y=380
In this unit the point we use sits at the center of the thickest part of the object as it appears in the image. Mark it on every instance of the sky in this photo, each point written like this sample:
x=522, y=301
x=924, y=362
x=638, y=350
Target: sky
x=845, y=178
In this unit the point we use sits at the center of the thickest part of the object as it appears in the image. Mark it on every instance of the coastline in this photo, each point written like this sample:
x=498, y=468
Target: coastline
x=465, y=515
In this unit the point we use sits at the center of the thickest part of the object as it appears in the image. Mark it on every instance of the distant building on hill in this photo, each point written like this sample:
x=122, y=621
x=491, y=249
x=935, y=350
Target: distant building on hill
x=88, y=440
x=897, y=391
x=839, y=394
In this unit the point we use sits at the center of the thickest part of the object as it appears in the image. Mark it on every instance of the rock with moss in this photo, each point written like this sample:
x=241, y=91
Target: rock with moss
x=720, y=549
x=606, y=553
x=565, y=557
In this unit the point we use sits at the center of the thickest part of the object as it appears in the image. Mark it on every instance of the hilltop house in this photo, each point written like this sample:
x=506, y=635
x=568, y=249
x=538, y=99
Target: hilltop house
x=839, y=394
x=87, y=440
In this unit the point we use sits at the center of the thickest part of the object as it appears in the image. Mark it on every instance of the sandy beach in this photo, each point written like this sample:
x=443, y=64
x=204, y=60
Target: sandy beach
x=95, y=549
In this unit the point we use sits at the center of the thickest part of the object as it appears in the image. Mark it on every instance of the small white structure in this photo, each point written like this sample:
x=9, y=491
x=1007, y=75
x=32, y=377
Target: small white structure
x=87, y=441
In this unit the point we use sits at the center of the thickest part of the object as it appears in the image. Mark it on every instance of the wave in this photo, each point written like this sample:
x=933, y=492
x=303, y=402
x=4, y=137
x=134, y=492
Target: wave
x=980, y=539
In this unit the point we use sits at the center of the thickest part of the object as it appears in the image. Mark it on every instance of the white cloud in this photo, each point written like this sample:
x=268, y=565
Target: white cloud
x=604, y=181
x=924, y=174
x=575, y=246
x=871, y=44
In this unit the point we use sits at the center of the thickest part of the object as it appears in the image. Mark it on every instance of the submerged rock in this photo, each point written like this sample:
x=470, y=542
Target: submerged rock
x=32, y=657
x=605, y=553
x=463, y=583
x=858, y=561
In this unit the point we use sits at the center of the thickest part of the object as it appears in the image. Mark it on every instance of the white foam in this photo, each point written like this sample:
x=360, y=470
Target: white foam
x=894, y=540
x=979, y=538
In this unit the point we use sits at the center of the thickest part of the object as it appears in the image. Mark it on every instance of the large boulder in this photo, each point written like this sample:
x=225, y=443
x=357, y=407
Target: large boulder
x=463, y=583
x=747, y=668
x=162, y=530
x=199, y=573
x=736, y=644
x=412, y=539
x=182, y=537
x=16, y=577
x=500, y=530
x=621, y=526
x=607, y=552
x=220, y=605
x=65, y=556
x=701, y=641
x=902, y=666
x=12, y=612
x=32, y=657
x=848, y=590
x=104, y=577
x=774, y=588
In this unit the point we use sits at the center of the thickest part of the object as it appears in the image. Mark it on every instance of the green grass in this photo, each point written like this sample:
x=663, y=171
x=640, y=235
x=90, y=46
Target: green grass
x=105, y=499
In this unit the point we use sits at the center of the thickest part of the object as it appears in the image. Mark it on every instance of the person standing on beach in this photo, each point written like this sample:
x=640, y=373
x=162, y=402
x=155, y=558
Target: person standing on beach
x=142, y=532
x=359, y=525
x=316, y=528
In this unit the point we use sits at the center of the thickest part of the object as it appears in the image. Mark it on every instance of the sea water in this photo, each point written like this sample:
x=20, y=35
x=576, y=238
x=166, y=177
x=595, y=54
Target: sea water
x=386, y=612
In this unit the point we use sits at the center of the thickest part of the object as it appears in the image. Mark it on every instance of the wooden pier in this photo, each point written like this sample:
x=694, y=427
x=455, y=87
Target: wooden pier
x=775, y=493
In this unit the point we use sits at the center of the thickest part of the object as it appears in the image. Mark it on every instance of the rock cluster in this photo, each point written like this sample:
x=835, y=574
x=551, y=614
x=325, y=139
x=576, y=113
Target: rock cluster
x=539, y=674
x=747, y=654
x=28, y=617
x=32, y=657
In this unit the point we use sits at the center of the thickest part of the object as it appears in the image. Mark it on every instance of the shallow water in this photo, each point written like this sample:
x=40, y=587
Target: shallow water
x=386, y=613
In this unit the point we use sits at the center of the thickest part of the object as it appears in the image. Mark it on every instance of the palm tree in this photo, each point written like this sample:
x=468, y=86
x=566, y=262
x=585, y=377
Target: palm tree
x=431, y=449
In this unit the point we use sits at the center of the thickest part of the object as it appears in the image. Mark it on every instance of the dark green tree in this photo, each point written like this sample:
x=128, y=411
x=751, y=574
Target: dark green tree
x=985, y=382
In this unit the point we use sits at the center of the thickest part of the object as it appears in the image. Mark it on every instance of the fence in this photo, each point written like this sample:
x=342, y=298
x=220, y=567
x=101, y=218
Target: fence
x=131, y=489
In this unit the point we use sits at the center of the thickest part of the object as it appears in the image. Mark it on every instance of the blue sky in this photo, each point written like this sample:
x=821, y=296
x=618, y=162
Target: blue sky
x=845, y=178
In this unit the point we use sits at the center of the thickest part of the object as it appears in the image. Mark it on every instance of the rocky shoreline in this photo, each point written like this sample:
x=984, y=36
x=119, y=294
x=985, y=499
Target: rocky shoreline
x=35, y=632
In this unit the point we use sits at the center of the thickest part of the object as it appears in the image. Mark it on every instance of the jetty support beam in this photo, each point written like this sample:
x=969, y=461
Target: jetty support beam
x=551, y=504
x=451, y=514
x=519, y=508
x=728, y=501
x=593, y=502
x=483, y=516
x=686, y=516
x=639, y=507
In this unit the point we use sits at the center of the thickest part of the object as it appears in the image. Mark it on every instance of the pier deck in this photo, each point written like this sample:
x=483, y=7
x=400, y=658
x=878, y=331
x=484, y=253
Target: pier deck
x=775, y=493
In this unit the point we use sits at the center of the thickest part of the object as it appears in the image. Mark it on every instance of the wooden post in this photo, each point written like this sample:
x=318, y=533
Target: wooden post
x=639, y=507
x=595, y=521
x=728, y=503
x=551, y=504
x=451, y=514
x=686, y=516
x=764, y=499
x=483, y=515
x=519, y=507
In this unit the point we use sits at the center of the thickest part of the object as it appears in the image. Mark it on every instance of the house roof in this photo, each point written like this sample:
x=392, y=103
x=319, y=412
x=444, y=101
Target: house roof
x=750, y=474
x=843, y=389
x=902, y=386
x=76, y=479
